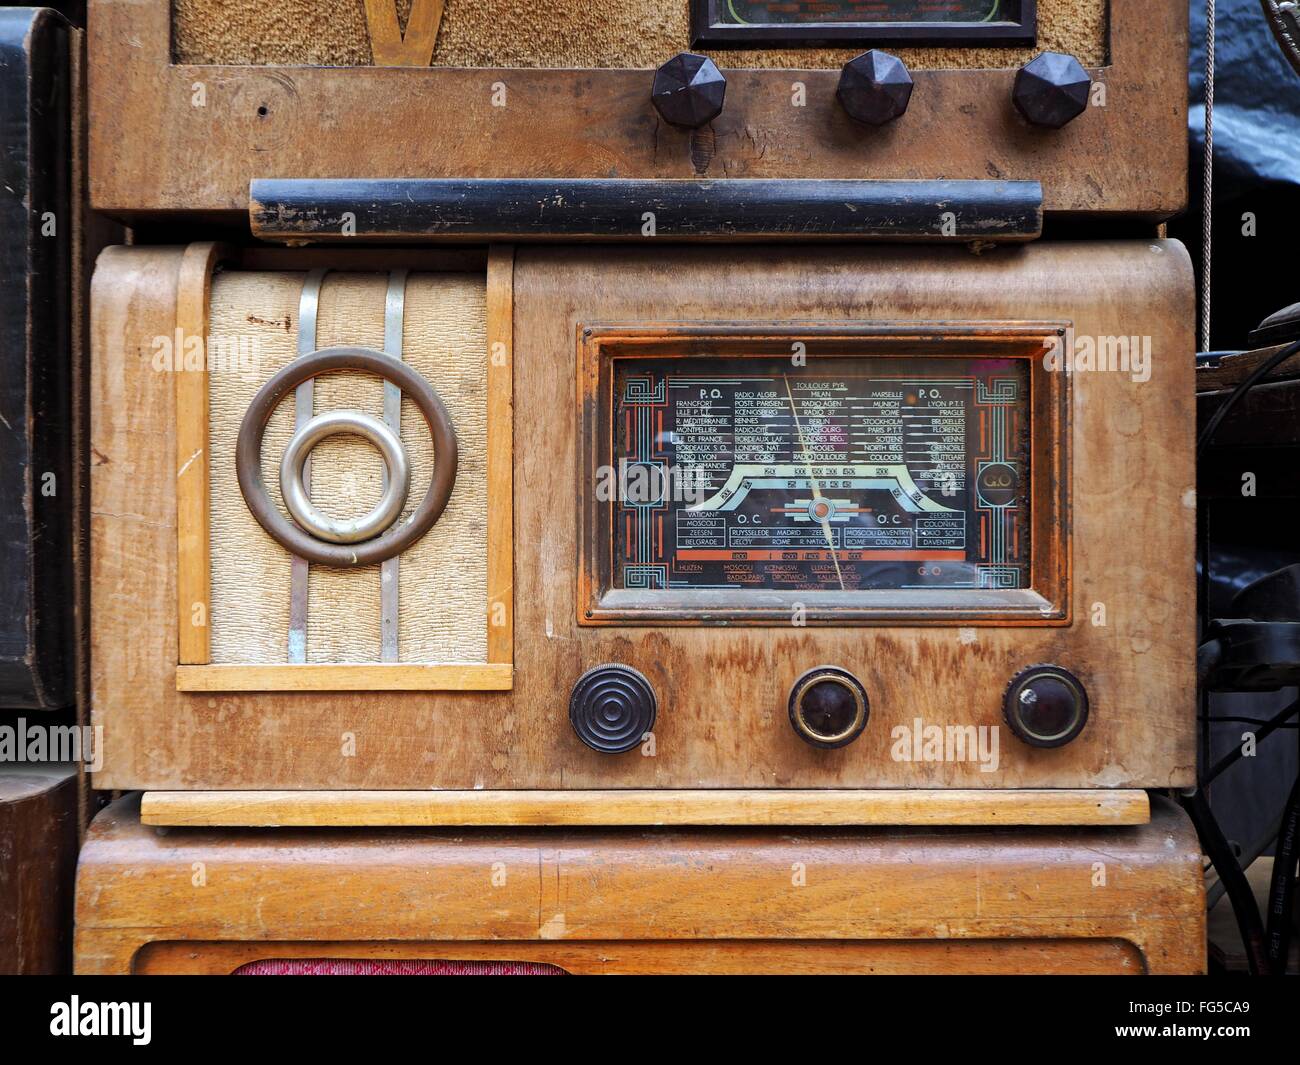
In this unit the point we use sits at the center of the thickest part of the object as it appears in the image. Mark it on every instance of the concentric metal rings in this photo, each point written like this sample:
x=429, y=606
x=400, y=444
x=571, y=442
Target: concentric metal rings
x=307, y=514
x=248, y=455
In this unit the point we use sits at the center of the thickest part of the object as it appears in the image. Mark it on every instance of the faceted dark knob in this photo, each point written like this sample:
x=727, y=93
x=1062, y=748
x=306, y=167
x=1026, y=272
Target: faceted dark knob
x=875, y=87
x=1046, y=706
x=828, y=707
x=1051, y=89
x=688, y=90
x=612, y=708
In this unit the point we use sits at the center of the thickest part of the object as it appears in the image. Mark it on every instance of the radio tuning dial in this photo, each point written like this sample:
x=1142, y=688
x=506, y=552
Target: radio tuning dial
x=828, y=707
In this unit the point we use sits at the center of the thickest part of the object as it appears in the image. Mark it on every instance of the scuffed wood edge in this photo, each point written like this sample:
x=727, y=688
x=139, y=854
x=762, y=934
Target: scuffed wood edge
x=631, y=807
x=367, y=677
x=193, y=561
x=500, y=453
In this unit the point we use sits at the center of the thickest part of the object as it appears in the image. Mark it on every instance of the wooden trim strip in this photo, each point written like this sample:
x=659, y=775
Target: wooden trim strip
x=500, y=453
x=631, y=209
x=331, y=678
x=393, y=48
x=258, y=809
x=1051, y=954
x=193, y=599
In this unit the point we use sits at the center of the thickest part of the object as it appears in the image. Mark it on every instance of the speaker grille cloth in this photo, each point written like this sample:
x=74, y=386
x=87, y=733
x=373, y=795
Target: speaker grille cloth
x=365, y=967
x=559, y=33
x=443, y=577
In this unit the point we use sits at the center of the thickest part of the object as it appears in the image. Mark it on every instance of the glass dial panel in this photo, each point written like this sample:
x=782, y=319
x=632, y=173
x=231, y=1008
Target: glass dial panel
x=742, y=23
x=851, y=474
x=803, y=12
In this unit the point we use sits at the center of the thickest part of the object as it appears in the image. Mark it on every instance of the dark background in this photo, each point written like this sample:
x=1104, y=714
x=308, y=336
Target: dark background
x=1256, y=171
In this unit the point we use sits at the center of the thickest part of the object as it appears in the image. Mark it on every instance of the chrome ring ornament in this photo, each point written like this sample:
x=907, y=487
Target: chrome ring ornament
x=400, y=535
x=307, y=514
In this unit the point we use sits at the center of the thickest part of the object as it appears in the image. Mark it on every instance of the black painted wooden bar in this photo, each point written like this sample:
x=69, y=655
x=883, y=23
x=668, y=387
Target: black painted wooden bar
x=509, y=209
x=36, y=473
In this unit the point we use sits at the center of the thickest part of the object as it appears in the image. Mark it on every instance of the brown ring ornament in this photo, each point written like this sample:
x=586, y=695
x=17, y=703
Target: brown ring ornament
x=248, y=457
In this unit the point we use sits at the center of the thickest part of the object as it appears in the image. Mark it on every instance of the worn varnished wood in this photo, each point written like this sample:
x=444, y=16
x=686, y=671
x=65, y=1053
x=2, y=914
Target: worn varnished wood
x=309, y=809
x=194, y=673
x=722, y=691
x=193, y=598
x=132, y=478
x=365, y=677
x=393, y=48
x=738, y=957
x=606, y=209
x=1230, y=370
x=39, y=824
x=383, y=122
x=773, y=891
x=500, y=457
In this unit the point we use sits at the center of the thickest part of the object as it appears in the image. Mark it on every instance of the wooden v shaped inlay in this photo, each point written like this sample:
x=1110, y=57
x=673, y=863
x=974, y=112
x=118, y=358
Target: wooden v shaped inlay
x=389, y=47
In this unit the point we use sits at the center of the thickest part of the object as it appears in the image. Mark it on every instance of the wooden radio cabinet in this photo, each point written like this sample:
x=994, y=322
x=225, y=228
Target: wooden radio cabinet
x=1077, y=499
x=757, y=489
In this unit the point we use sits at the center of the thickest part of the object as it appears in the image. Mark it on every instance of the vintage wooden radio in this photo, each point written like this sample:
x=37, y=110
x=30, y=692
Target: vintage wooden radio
x=754, y=518
x=665, y=415
x=648, y=516
x=1087, y=97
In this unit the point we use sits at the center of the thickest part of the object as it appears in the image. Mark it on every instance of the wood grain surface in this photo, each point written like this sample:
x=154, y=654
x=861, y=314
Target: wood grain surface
x=722, y=691
x=151, y=118
x=39, y=826
x=659, y=898
x=318, y=809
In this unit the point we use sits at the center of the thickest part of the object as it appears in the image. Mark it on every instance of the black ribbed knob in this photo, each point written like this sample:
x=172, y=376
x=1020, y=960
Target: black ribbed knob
x=875, y=87
x=828, y=707
x=612, y=708
x=1046, y=706
x=1051, y=89
x=688, y=90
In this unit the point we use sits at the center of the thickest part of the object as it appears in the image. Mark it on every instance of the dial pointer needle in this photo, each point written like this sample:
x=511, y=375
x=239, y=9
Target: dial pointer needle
x=816, y=488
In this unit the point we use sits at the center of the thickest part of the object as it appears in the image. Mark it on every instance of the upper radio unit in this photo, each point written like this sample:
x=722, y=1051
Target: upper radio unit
x=1086, y=97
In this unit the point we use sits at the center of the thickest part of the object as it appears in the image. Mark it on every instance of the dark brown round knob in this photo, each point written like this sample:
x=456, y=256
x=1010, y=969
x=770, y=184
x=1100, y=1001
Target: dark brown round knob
x=1051, y=89
x=828, y=707
x=688, y=90
x=875, y=87
x=1046, y=706
x=612, y=708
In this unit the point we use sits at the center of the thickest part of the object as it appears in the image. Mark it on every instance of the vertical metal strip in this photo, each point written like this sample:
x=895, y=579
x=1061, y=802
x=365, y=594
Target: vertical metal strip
x=303, y=400
x=394, y=319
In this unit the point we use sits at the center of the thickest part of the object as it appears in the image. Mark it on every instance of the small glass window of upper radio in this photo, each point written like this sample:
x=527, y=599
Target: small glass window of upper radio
x=864, y=473
x=815, y=23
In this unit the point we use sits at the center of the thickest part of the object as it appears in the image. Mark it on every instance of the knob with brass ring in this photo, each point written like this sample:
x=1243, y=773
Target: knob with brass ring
x=399, y=536
x=828, y=707
x=1045, y=706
